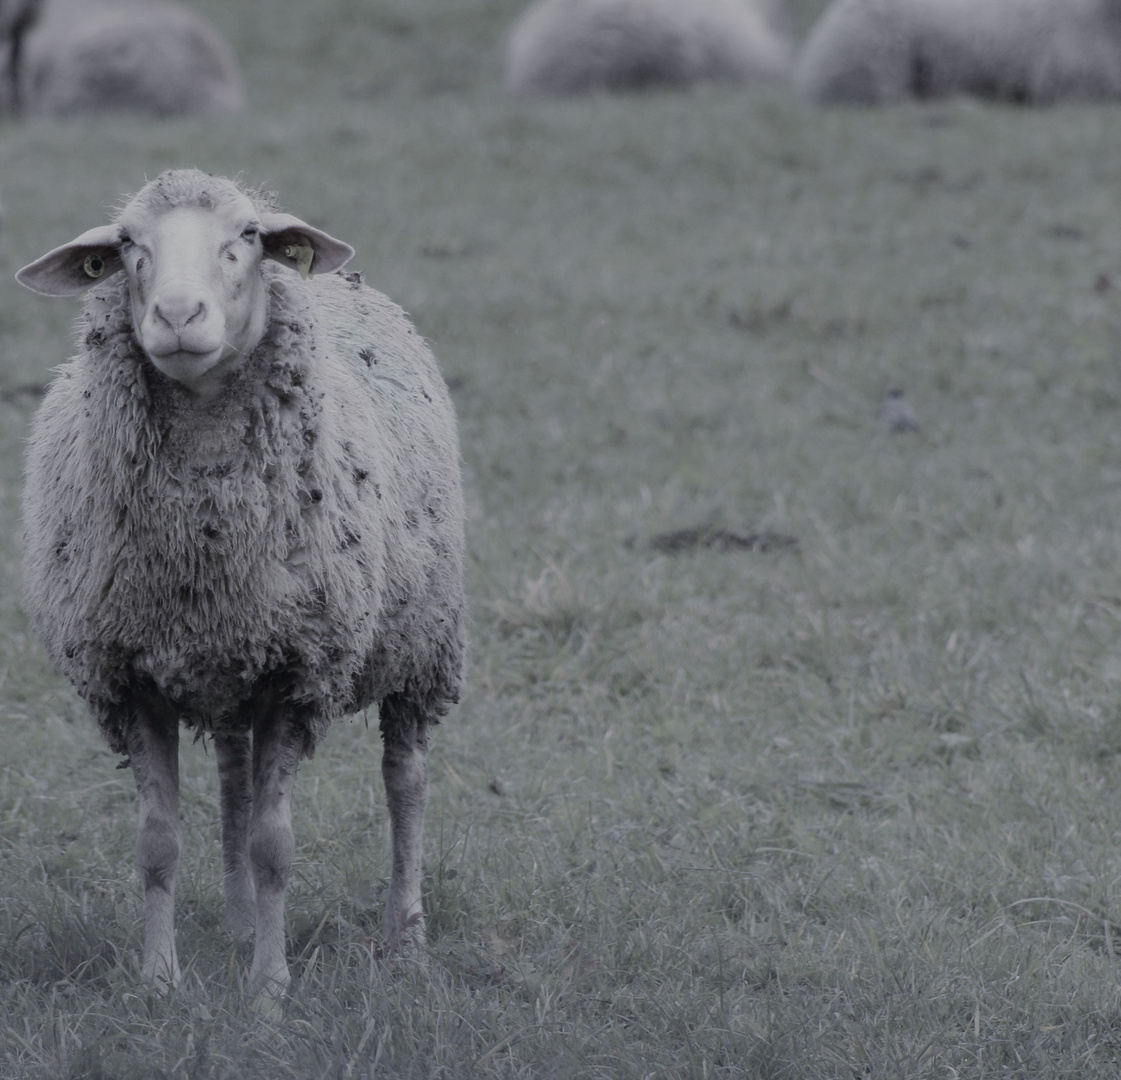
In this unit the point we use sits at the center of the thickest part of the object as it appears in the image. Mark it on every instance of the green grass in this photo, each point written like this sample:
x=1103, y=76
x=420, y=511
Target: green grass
x=841, y=810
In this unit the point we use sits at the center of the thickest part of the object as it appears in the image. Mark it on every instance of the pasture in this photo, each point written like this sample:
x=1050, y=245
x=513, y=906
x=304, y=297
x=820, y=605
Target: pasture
x=791, y=747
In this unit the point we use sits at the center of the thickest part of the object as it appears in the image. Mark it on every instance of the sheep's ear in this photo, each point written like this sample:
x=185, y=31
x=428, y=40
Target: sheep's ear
x=296, y=244
x=74, y=267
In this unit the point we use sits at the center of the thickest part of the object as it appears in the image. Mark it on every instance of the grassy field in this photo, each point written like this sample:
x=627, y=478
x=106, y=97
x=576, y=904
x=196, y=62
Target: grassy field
x=839, y=804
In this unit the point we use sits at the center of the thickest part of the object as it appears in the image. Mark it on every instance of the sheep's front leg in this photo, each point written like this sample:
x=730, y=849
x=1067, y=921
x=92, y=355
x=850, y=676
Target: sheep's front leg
x=153, y=749
x=277, y=748
x=405, y=772
x=235, y=785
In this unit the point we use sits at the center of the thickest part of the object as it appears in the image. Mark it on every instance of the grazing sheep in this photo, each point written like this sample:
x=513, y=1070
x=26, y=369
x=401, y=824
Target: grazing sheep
x=1030, y=51
x=150, y=56
x=571, y=46
x=243, y=512
x=14, y=13
x=16, y=17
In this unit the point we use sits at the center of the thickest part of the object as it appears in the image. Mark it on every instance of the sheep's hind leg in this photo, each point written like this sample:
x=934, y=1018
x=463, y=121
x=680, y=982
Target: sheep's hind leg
x=235, y=782
x=405, y=772
x=278, y=744
x=153, y=748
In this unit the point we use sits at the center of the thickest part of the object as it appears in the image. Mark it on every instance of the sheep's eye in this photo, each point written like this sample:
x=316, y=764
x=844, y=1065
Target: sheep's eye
x=250, y=233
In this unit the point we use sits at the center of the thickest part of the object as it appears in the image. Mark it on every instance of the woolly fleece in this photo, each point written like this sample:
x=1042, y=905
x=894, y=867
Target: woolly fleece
x=302, y=532
x=16, y=16
x=157, y=57
x=571, y=46
x=1030, y=51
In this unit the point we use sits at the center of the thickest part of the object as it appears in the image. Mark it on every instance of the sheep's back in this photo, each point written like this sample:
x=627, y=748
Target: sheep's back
x=308, y=527
x=568, y=46
x=160, y=58
x=1032, y=51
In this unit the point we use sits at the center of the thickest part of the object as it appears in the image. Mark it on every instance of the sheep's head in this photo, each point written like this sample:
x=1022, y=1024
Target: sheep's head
x=191, y=247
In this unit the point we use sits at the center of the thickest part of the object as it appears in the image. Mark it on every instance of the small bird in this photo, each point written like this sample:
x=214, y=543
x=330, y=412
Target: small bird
x=896, y=413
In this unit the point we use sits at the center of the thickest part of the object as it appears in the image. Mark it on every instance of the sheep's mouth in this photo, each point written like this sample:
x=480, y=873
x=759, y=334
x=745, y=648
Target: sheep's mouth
x=189, y=367
x=181, y=355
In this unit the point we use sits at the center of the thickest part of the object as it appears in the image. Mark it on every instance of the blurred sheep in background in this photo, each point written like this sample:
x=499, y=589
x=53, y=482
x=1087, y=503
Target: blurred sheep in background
x=16, y=17
x=1028, y=51
x=574, y=46
x=74, y=56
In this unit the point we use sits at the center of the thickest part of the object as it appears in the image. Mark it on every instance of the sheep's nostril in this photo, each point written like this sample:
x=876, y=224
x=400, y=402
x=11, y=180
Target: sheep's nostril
x=177, y=316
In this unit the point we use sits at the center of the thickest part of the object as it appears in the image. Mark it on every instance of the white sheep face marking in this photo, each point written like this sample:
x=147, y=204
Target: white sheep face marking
x=199, y=301
x=198, y=298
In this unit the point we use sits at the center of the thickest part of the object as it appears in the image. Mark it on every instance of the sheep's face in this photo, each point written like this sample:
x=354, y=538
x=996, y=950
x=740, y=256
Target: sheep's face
x=199, y=301
x=198, y=298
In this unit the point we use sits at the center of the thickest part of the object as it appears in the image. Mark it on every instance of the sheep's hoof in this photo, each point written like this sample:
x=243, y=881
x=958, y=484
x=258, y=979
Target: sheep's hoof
x=161, y=976
x=268, y=1000
x=239, y=925
x=268, y=1004
x=399, y=935
x=267, y=990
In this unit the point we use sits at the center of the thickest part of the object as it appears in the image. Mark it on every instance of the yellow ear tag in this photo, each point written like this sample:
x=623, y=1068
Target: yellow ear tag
x=303, y=255
x=94, y=266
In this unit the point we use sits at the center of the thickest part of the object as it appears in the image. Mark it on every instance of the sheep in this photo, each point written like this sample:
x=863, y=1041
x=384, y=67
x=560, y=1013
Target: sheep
x=1029, y=51
x=156, y=57
x=572, y=46
x=243, y=513
x=16, y=17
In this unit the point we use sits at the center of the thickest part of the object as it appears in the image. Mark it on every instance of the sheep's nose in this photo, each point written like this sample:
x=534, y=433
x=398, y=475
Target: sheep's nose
x=178, y=313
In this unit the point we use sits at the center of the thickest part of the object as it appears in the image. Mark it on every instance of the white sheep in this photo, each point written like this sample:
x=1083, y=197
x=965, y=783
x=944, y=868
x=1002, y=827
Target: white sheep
x=571, y=46
x=1029, y=51
x=243, y=513
x=150, y=56
x=16, y=18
